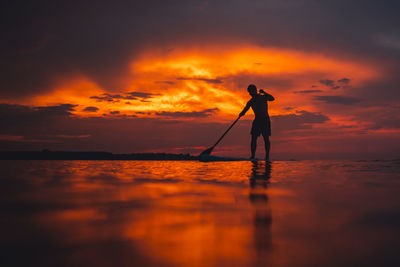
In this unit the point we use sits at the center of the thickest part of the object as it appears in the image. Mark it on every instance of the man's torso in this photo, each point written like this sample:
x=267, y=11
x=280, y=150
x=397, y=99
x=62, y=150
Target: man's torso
x=259, y=105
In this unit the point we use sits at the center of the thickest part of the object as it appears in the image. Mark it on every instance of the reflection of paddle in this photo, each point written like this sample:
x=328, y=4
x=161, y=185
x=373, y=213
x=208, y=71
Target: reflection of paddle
x=209, y=150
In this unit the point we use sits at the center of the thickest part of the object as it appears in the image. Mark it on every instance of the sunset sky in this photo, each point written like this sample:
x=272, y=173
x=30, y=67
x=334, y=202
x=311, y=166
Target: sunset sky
x=170, y=76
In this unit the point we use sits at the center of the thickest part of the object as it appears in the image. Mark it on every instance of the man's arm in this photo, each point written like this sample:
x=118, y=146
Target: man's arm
x=246, y=108
x=267, y=96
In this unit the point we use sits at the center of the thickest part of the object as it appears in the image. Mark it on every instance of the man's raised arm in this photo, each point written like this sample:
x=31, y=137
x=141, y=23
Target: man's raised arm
x=268, y=97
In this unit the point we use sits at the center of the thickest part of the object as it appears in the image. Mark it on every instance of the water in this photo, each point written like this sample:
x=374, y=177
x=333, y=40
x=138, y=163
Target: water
x=168, y=213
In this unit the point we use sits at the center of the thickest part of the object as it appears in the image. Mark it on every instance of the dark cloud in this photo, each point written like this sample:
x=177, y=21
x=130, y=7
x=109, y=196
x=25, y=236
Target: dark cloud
x=20, y=112
x=200, y=79
x=107, y=97
x=35, y=123
x=141, y=95
x=91, y=109
x=387, y=117
x=31, y=117
x=115, y=112
x=330, y=83
x=387, y=123
x=335, y=99
x=63, y=109
x=308, y=91
x=191, y=114
x=165, y=82
x=42, y=40
x=327, y=82
x=344, y=81
x=73, y=136
x=289, y=108
x=302, y=119
x=27, y=128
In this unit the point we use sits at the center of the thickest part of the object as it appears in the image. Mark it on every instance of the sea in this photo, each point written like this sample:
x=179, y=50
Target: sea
x=190, y=213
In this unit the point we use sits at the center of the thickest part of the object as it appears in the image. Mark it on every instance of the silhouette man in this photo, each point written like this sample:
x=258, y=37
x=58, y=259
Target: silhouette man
x=261, y=122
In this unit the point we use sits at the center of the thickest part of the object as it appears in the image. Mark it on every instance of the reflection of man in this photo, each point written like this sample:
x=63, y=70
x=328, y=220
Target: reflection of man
x=261, y=123
x=259, y=180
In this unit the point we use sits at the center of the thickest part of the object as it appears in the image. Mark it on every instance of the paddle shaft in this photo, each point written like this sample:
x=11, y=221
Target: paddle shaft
x=225, y=133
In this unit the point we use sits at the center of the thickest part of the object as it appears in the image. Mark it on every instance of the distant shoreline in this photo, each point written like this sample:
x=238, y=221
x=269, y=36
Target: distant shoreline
x=96, y=155
x=102, y=155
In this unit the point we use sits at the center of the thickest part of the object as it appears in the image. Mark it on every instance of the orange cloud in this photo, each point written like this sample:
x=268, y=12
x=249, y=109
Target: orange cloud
x=198, y=79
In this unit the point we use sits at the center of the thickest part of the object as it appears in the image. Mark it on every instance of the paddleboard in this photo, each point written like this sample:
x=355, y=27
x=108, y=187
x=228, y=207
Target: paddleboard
x=209, y=158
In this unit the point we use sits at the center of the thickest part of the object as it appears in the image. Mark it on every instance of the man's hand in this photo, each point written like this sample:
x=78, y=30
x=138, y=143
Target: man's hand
x=268, y=96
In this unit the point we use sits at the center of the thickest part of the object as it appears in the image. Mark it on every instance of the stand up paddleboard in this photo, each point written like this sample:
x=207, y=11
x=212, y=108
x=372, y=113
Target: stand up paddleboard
x=209, y=158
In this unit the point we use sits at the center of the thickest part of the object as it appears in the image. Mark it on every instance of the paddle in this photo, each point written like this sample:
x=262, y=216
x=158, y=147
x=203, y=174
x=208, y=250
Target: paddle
x=209, y=150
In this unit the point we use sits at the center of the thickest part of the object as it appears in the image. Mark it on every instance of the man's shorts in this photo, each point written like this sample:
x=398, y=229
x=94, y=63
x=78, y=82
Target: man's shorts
x=261, y=126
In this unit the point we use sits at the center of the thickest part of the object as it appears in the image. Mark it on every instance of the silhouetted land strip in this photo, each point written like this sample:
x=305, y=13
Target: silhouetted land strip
x=77, y=155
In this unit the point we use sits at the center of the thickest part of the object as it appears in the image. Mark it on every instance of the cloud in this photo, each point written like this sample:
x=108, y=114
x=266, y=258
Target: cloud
x=308, y=91
x=393, y=123
x=32, y=116
x=27, y=128
x=73, y=136
x=115, y=112
x=35, y=121
x=164, y=82
x=7, y=137
x=215, y=81
x=293, y=135
x=107, y=97
x=191, y=114
x=330, y=83
x=387, y=117
x=142, y=95
x=333, y=99
x=63, y=46
x=63, y=109
x=327, y=82
x=91, y=109
x=302, y=119
x=344, y=81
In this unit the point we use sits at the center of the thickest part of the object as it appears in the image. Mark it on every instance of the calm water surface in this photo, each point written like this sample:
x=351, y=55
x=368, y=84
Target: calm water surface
x=168, y=213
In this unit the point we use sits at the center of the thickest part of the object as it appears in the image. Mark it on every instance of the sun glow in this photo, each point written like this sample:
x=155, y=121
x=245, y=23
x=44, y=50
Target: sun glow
x=198, y=79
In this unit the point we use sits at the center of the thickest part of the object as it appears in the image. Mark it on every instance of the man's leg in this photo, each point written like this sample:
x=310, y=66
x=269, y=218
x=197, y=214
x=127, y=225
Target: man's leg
x=253, y=145
x=267, y=146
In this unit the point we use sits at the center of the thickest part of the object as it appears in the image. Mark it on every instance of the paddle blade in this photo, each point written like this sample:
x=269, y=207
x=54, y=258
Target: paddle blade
x=207, y=151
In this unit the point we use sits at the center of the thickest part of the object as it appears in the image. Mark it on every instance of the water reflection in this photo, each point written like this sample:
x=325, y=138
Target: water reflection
x=258, y=196
x=92, y=213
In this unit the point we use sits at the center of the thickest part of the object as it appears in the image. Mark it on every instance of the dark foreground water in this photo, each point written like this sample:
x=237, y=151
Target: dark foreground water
x=166, y=213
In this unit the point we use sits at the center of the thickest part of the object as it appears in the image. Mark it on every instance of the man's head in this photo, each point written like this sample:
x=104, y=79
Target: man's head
x=252, y=89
